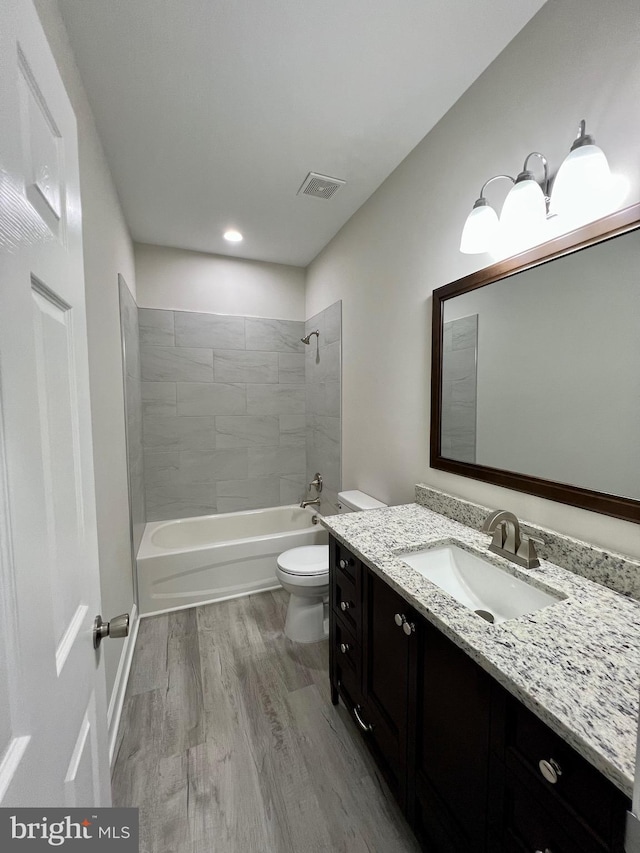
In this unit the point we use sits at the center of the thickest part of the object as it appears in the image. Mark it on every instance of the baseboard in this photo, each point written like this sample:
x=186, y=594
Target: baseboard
x=116, y=703
x=201, y=603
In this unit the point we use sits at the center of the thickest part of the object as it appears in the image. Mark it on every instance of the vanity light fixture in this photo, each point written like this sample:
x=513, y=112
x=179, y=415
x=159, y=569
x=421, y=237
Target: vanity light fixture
x=524, y=213
x=482, y=228
x=584, y=189
x=233, y=236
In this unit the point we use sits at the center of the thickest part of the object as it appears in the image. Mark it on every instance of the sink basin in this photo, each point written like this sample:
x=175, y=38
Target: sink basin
x=481, y=586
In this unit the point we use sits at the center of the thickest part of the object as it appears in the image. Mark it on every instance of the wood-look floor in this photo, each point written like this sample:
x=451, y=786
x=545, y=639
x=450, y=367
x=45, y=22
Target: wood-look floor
x=229, y=742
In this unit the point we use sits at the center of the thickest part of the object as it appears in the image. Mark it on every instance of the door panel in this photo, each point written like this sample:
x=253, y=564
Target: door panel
x=53, y=747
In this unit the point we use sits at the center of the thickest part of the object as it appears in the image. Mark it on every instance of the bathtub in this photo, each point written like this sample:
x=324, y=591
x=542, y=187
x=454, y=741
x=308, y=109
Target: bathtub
x=193, y=561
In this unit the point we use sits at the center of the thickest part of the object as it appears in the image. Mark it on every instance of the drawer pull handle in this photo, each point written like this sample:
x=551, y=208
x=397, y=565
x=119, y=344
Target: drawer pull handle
x=344, y=564
x=401, y=621
x=550, y=770
x=366, y=727
x=546, y=850
x=345, y=647
x=345, y=605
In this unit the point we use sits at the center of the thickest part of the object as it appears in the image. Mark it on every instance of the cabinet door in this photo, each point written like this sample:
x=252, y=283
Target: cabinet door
x=389, y=655
x=452, y=745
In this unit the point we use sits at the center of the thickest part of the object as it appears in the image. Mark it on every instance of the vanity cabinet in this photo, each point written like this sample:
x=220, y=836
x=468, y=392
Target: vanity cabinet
x=451, y=745
x=472, y=768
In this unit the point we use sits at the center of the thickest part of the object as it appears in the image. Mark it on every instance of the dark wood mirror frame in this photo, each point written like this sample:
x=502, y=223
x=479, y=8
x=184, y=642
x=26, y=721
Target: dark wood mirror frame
x=595, y=232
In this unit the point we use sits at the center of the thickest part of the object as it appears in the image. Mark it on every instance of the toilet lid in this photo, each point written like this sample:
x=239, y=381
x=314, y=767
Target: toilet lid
x=307, y=560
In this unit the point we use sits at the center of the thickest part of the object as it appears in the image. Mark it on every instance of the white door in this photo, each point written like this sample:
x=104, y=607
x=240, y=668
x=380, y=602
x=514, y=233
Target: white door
x=53, y=741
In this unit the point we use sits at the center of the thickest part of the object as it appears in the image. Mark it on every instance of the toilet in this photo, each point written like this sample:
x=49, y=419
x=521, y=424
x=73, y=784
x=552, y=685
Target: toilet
x=304, y=573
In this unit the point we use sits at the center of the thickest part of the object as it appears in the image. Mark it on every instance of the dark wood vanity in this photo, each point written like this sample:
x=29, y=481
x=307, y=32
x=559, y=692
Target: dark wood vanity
x=471, y=767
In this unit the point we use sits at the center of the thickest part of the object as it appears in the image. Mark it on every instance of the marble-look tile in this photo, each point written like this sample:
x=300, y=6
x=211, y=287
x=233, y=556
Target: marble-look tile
x=178, y=433
x=329, y=367
x=180, y=501
x=237, y=495
x=211, y=398
x=292, y=490
x=332, y=399
x=156, y=327
x=459, y=364
x=161, y=467
x=173, y=364
x=465, y=333
x=210, y=466
x=268, y=461
x=159, y=398
x=240, y=366
x=291, y=367
x=274, y=335
x=215, y=331
x=247, y=431
x=276, y=399
x=293, y=430
x=333, y=322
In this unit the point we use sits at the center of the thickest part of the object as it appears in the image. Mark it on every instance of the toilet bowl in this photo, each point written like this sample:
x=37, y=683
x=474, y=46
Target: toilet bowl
x=304, y=573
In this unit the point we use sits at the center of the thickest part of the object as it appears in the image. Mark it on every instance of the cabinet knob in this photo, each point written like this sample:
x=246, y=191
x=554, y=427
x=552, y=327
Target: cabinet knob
x=344, y=564
x=345, y=647
x=550, y=770
x=401, y=621
x=345, y=605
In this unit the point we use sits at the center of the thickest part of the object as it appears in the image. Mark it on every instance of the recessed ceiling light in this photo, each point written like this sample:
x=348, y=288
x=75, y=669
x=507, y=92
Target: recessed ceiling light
x=233, y=236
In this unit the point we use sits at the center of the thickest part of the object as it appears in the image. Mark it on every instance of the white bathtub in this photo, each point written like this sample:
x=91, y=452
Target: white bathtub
x=208, y=558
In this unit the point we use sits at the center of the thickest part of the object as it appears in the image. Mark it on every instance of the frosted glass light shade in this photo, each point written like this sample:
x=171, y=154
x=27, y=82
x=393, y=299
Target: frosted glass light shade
x=524, y=215
x=480, y=232
x=582, y=190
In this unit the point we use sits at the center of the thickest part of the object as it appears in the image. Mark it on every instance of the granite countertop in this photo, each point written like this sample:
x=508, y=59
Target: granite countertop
x=575, y=663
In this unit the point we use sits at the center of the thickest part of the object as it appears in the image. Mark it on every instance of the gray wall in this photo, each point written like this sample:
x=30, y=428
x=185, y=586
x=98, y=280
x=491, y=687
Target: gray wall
x=223, y=402
x=133, y=414
x=575, y=59
x=323, y=374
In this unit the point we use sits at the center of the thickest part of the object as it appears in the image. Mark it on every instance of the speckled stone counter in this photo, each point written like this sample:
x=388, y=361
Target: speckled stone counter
x=575, y=664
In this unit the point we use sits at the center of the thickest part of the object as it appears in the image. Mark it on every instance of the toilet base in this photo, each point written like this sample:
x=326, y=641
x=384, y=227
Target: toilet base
x=306, y=621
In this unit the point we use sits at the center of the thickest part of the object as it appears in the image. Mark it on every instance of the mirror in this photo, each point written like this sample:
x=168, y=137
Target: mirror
x=536, y=370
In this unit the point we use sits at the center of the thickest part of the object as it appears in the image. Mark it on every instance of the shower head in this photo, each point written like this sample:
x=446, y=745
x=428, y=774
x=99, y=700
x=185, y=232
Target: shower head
x=307, y=340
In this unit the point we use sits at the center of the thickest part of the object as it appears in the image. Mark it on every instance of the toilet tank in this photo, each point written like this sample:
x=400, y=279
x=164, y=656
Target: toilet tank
x=354, y=501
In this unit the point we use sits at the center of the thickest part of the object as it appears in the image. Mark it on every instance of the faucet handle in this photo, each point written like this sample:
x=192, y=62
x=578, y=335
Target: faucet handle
x=527, y=550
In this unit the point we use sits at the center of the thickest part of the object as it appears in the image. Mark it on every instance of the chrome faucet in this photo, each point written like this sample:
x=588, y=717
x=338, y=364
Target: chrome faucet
x=314, y=502
x=508, y=541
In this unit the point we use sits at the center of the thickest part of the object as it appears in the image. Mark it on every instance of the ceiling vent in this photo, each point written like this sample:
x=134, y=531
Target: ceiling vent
x=320, y=186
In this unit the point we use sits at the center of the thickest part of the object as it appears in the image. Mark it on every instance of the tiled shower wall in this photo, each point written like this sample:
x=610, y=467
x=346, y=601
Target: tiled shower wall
x=132, y=405
x=323, y=360
x=459, y=389
x=223, y=402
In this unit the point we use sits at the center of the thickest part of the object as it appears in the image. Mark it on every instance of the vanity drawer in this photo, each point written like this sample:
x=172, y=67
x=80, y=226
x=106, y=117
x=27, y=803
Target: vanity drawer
x=346, y=562
x=559, y=772
x=347, y=657
x=346, y=600
x=529, y=824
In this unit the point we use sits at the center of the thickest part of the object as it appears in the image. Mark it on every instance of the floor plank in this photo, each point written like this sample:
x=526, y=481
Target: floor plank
x=235, y=745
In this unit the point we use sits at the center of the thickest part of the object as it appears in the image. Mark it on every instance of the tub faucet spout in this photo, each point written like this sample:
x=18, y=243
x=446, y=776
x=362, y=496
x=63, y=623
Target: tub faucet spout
x=314, y=502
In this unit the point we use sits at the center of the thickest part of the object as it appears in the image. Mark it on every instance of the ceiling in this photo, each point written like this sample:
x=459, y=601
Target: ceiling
x=212, y=112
